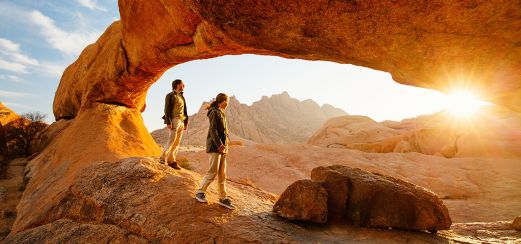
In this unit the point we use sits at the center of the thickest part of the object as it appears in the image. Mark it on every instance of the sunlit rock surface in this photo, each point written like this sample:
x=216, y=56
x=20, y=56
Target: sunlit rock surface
x=7, y=115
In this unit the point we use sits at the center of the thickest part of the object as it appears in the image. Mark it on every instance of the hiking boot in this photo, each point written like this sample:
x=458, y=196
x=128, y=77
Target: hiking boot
x=174, y=165
x=201, y=197
x=227, y=203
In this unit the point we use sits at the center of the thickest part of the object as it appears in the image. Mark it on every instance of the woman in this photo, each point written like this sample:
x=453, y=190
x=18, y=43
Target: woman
x=217, y=148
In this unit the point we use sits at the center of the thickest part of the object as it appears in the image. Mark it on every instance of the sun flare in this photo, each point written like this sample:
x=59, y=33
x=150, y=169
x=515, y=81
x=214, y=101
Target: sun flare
x=461, y=103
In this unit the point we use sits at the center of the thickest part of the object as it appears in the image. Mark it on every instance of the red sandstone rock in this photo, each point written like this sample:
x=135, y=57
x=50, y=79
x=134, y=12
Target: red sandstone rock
x=303, y=200
x=376, y=200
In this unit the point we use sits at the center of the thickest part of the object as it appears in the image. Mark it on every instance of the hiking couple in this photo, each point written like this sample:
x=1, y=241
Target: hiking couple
x=176, y=119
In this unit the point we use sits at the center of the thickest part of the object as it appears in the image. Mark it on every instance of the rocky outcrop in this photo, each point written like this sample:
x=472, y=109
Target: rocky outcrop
x=517, y=223
x=277, y=119
x=7, y=115
x=79, y=143
x=138, y=199
x=493, y=132
x=304, y=200
x=372, y=200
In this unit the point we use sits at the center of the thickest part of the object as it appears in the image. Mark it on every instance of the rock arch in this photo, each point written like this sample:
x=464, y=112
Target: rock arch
x=429, y=43
x=435, y=44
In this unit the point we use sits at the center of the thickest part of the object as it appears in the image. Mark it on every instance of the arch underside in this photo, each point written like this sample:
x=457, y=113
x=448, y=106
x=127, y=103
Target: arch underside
x=438, y=45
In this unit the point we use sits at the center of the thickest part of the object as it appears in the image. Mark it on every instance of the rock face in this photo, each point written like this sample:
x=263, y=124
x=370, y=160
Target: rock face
x=303, y=200
x=376, y=200
x=493, y=132
x=277, y=119
x=517, y=223
x=104, y=90
x=7, y=115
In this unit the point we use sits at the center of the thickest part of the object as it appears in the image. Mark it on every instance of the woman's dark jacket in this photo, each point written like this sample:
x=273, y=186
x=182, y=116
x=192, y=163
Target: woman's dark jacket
x=217, y=131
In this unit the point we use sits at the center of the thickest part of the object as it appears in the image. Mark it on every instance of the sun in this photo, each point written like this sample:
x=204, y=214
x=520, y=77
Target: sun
x=463, y=103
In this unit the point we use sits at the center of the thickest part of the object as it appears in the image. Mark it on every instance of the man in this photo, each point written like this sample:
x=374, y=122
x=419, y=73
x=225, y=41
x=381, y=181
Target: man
x=217, y=148
x=176, y=119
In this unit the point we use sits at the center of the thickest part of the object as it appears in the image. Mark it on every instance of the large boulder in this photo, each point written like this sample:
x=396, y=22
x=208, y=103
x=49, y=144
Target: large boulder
x=303, y=200
x=335, y=184
x=376, y=200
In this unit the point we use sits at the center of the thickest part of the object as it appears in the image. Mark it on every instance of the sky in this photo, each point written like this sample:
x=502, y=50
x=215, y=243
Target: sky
x=39, y=39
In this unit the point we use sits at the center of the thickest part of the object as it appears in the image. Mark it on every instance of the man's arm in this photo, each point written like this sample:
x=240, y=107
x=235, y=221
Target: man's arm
x=186, y=113
x=168, y=108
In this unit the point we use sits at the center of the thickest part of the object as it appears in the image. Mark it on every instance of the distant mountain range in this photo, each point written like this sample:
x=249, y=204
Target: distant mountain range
x=276, y=119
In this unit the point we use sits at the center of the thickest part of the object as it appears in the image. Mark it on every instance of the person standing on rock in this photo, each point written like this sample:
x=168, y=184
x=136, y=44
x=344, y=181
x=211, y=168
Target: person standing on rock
x=176, y=119
x=217, y=148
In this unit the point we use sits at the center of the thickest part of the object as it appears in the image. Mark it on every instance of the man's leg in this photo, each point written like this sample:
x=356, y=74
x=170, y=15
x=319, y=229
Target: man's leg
x=177, y=141
x=168, y=148
x=169, y=152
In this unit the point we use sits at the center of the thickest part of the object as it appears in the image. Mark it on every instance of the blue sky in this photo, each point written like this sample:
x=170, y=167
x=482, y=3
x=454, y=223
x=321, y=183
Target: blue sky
x=38, y=39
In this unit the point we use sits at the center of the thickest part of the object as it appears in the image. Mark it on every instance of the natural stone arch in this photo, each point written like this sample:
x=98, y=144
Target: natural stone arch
x=100, y=96
x=435, y=44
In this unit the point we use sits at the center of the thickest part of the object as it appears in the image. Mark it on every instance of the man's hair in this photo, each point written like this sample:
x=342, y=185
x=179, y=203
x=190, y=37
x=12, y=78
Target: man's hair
x=175, y=83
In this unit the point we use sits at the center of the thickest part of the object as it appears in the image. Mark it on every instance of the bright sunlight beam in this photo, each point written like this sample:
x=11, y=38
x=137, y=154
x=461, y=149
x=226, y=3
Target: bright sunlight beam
x=463, y=103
